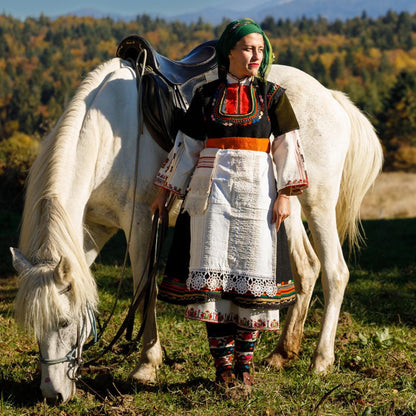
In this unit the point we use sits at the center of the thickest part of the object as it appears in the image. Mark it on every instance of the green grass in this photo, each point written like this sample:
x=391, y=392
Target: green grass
x=374, y=371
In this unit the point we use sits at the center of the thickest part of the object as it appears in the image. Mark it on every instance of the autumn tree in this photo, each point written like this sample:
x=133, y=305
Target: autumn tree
x=398, y=122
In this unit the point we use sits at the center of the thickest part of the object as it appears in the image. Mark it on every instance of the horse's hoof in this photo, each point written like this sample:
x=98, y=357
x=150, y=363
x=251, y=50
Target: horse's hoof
x=144, y=373
x=320, y=368
x=276, y=361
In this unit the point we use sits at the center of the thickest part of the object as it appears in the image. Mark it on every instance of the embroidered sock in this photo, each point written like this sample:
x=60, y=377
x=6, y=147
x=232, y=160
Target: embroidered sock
x=221, y=345
x=245, y=342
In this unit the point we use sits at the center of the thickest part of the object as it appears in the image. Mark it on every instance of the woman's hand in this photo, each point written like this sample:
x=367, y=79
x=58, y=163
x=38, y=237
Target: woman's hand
x=159, y=203
x=281, y=209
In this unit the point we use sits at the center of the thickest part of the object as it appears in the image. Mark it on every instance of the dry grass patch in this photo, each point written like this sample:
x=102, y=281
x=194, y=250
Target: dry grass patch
x=393, y=196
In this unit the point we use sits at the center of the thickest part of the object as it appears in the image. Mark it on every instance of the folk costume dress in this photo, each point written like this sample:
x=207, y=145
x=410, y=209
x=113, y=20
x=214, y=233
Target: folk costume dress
x=222, y=162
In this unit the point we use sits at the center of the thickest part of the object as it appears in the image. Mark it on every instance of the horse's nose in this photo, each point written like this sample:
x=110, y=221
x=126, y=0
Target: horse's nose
x=52, y=393
x=56, y=386
x=53, y=401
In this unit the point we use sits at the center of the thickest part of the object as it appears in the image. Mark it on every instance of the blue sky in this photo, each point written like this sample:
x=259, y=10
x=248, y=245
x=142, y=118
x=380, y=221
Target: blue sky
x=24, y=8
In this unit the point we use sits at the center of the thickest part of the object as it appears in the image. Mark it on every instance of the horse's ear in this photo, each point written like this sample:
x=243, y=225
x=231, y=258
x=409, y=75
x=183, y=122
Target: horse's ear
x=62, y=270
x=20, y=262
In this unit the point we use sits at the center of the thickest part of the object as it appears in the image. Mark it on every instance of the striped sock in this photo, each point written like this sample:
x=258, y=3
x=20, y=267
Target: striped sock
x=221, y=345
x=245, y=342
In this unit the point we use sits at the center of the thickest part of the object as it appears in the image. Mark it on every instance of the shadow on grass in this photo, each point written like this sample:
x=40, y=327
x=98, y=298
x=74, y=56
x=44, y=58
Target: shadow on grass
x=382, y=286
x=9, y=237
x=389, y=244
x=103, y=386
x=21, y=393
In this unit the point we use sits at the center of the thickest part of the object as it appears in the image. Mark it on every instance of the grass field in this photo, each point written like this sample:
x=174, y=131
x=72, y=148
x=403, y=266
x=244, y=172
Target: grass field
x=374, y=372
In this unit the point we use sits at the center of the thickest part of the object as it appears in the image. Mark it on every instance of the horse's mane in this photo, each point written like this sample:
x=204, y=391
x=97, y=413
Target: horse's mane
x=47, y=233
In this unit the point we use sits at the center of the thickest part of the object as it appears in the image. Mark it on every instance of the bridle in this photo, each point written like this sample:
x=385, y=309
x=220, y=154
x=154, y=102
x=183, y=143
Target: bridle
x=75, y=355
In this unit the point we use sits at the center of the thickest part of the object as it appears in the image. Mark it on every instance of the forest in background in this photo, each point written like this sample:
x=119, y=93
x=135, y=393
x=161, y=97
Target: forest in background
x=43, y=60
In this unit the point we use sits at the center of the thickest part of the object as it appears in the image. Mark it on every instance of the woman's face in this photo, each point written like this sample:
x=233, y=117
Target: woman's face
x=247, y=55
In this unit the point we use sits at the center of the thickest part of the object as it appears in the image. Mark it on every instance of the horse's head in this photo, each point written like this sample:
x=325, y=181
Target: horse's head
x=45, y=304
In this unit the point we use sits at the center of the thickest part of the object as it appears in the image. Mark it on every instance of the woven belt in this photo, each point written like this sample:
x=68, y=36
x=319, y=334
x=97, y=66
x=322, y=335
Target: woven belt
x=243, y=143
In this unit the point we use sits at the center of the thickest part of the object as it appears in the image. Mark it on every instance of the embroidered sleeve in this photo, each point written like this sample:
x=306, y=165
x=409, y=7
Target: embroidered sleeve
x=282, y=116
x=176, y=171
x=290, y=162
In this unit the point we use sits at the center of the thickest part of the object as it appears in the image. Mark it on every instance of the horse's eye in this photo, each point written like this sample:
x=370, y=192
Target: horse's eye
x=64, y=324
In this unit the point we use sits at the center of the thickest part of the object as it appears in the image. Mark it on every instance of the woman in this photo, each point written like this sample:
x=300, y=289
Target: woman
x=223, y=163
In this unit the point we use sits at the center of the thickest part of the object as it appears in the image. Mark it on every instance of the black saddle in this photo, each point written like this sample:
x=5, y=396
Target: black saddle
x=168, y=85
x=200, y=60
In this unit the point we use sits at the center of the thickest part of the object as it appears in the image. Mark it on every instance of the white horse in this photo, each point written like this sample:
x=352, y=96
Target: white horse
x=80, y=191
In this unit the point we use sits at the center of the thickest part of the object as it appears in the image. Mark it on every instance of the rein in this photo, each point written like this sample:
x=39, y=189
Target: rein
x=148, y=291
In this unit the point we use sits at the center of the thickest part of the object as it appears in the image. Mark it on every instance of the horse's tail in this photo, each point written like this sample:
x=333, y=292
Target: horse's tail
x=363, y=164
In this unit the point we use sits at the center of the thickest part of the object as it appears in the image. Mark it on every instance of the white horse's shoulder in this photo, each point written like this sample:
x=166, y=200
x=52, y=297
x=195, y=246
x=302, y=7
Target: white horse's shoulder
x=294, y=79
x=320, y=115
x=309, y=98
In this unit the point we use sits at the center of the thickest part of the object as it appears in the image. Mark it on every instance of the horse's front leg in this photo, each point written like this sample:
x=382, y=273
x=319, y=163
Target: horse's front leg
x=151, y=354
x=305, y=270
x=335, y=275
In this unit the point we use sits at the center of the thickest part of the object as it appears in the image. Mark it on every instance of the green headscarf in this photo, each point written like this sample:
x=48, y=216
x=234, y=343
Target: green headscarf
x=231, y=35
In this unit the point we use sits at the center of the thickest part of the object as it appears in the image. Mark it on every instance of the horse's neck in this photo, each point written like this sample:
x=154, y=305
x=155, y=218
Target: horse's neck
x=51, y=194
